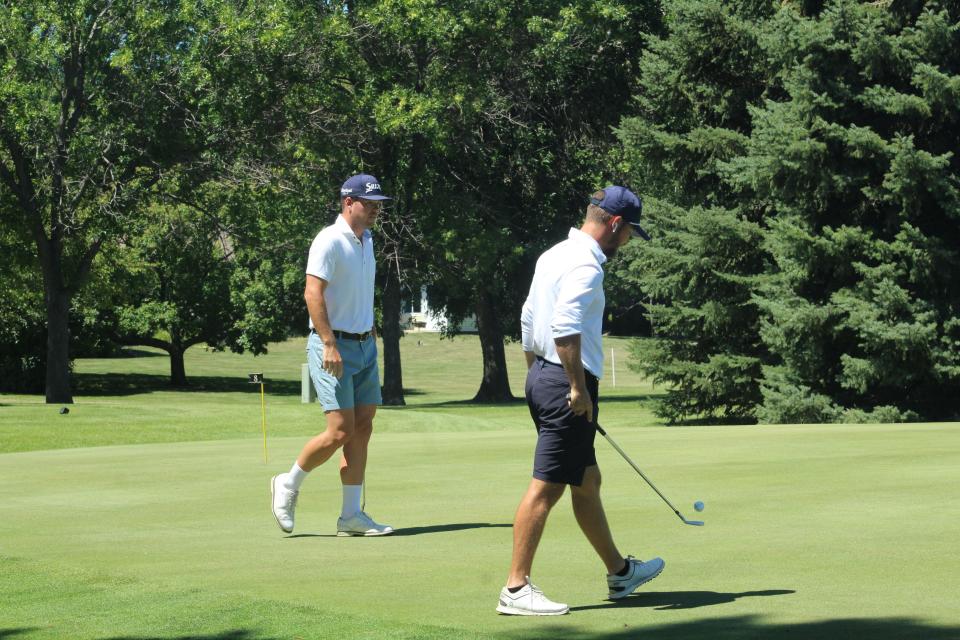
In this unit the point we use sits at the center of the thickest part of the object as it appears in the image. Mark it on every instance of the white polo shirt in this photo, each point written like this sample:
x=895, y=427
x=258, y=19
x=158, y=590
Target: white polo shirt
x=346, y=263
x=566, y=298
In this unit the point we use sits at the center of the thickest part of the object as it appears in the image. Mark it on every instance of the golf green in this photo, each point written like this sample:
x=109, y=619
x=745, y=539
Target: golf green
x=815, y=531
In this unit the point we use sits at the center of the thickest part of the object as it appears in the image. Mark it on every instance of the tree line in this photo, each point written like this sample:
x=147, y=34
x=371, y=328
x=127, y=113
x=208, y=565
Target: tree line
x=165, y=163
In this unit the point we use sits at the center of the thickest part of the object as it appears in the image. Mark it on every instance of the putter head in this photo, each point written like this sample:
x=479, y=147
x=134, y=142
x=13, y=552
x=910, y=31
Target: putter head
x=695, y=523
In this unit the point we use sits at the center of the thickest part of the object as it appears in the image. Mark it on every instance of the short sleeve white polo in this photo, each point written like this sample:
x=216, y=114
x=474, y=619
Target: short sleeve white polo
x=566, y=298
x=347, y=264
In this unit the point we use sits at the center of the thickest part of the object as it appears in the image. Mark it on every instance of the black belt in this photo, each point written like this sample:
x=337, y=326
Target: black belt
x=586, y=372
x=346, y=335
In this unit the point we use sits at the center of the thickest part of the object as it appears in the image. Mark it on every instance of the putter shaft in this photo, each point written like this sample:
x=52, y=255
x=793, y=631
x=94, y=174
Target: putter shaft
x=695, y=523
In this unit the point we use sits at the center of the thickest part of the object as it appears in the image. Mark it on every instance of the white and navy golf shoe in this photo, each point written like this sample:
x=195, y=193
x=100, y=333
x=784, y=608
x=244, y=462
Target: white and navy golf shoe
x=639, y=573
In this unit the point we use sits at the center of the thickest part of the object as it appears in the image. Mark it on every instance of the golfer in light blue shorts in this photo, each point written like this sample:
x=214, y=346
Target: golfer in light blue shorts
x=342, y=358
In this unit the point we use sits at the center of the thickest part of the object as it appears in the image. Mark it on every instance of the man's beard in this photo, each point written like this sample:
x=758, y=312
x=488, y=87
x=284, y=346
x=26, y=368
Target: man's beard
x=610, y=251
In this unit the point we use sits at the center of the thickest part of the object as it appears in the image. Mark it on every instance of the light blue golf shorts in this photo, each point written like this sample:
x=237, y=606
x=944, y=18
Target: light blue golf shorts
x=360, y=383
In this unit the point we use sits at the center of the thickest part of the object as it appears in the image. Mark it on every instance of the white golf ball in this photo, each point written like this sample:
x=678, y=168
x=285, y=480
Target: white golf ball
x=698, y=505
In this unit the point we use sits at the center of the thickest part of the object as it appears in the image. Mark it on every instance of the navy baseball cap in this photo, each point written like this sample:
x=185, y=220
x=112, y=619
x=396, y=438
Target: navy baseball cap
x=620, y=201
x=364, y=186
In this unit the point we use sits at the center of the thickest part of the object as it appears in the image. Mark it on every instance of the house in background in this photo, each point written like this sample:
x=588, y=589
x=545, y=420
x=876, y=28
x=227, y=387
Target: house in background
x=417, y=315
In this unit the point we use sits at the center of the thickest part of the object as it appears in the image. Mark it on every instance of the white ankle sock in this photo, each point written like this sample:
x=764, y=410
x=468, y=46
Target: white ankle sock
x=295, y=477
x=352, y=494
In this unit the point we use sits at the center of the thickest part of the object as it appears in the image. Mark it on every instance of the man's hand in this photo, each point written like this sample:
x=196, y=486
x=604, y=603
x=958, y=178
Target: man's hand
x=332, y=363
x=581, y=403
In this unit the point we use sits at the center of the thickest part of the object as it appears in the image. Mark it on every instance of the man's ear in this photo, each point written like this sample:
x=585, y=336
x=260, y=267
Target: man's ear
x=615, y=223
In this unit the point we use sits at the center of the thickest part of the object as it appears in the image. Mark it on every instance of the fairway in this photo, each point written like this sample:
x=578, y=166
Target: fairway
x=144, y=514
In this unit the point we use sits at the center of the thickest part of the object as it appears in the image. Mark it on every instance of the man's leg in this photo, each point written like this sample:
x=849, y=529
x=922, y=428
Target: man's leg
x=592, y=519
x=285, y=487
x=339, y=431
x=353, y=463
x=624, y=575
x=528, y=525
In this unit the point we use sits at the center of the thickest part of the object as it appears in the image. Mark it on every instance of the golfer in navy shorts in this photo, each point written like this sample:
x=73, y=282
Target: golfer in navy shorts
x=561, y=326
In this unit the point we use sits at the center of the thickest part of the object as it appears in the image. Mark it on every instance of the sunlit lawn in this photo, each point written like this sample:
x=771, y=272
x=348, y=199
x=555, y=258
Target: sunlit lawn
x=143, y=513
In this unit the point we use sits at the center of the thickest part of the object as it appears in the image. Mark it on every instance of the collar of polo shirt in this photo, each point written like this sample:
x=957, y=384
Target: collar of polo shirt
x=588, y=241
x=344, y=227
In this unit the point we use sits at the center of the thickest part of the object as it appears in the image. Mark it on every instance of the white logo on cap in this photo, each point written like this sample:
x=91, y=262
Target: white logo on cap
x=372, y=186
x=344, y=192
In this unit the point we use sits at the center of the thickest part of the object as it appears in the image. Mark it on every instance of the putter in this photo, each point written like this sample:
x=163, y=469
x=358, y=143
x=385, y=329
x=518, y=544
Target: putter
x=693, y=523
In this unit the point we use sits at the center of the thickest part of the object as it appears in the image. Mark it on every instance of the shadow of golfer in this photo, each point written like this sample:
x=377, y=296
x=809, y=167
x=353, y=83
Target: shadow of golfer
x=443, y=528
x=417, y=531
x=666, y=600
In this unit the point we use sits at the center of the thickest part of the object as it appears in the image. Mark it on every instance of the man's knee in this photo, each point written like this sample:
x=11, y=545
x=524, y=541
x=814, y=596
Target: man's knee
x=340, y=427
x=363, y=421
x=545, y=493
x=590, y=485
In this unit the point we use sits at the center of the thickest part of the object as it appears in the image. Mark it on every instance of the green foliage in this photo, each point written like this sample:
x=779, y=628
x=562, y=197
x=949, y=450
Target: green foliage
x=549, y=80
x=22, y=335
x=696, y=84
x=701, y=309
x=858, y=167
x=838, y=148
x=179, y=281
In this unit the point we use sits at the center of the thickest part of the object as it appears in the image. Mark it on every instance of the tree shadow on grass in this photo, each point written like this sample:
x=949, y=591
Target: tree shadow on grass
x=627, y=398
x=126, y=384
x=235, y=634
x=713, y=422
x=465, y=403
x=416, y=531
x=752, y=628
x=604, y=400
x=668, y=600
x=133, y=352
x=10, y=633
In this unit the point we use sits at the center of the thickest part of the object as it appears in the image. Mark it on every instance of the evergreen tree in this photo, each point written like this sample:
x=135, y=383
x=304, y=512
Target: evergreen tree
x=858, y=167
x=696, y=84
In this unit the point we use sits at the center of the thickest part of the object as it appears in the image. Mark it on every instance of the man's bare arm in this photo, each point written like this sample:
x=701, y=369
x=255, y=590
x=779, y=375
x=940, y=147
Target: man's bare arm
x=568, y=350
x=313, y=294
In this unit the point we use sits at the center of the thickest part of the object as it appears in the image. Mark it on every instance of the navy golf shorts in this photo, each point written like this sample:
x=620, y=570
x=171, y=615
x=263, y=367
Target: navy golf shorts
x=564, y=439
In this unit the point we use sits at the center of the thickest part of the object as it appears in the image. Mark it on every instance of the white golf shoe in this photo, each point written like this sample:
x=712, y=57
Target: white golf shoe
x=640, y=573
x=529, y=601
x=283, y=502
x=360, y=524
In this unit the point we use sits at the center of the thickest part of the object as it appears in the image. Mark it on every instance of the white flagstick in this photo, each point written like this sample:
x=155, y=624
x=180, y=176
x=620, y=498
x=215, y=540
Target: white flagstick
x=613, y=366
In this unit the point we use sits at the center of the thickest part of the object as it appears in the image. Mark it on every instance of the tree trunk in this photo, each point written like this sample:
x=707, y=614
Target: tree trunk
x=178, y=373
x=392, y=370
x=495, y=386
x=58, y=346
